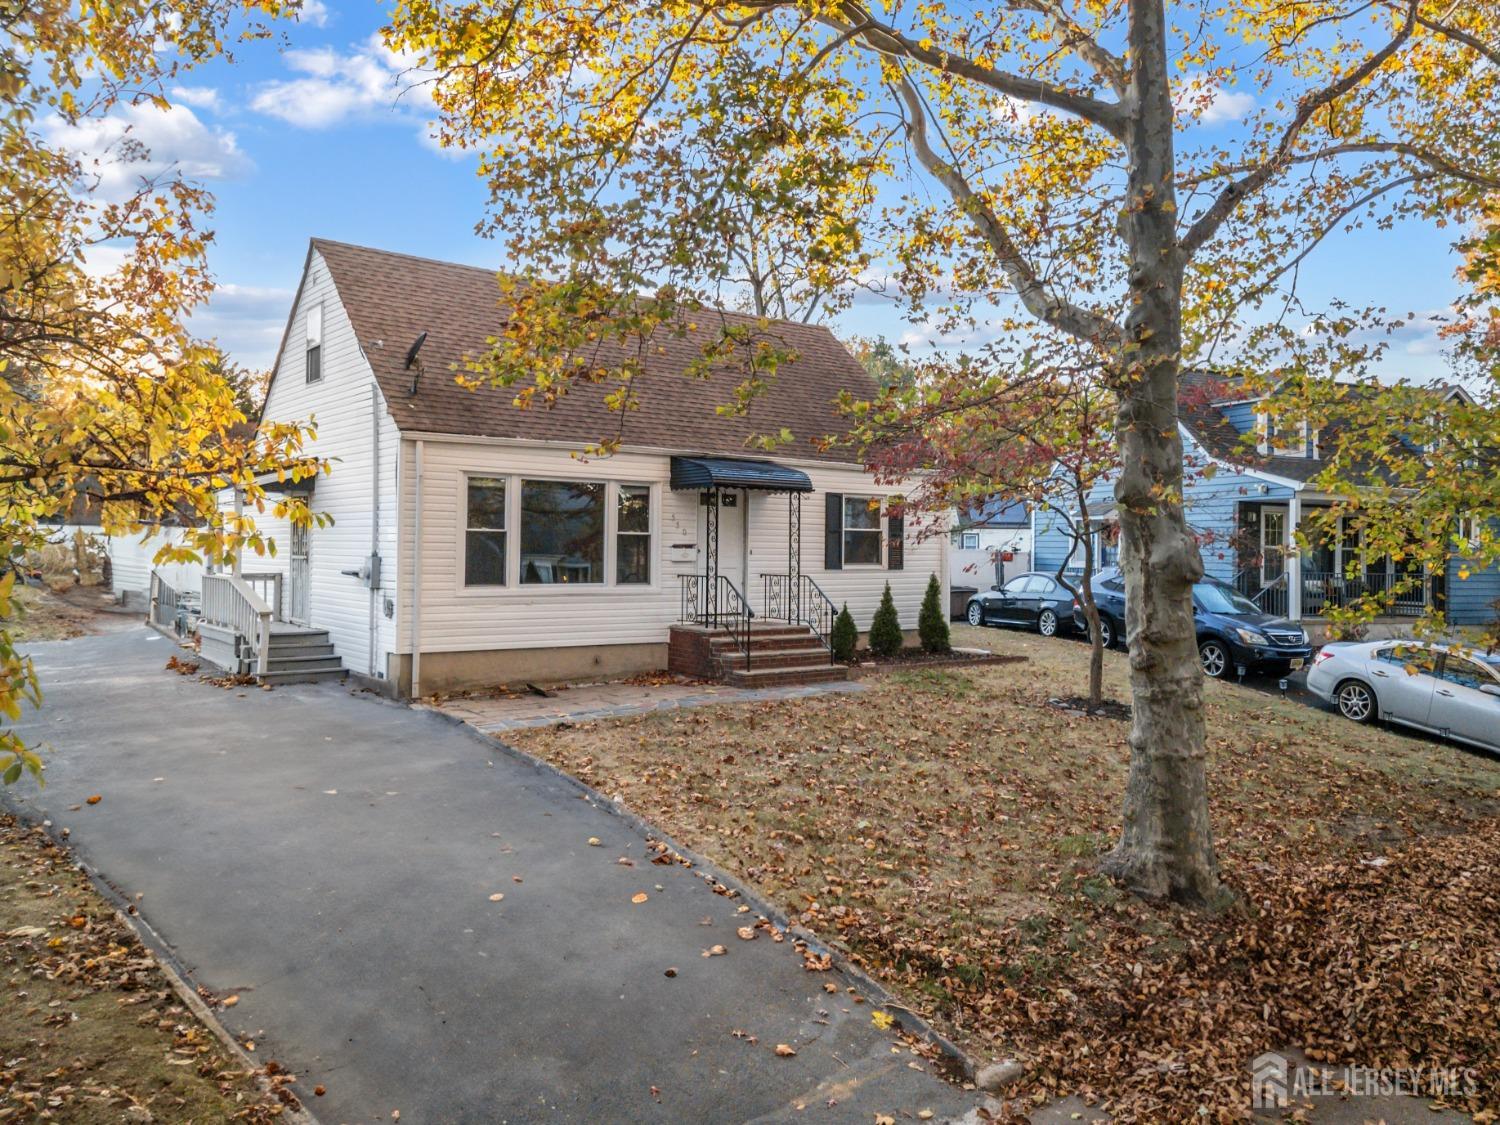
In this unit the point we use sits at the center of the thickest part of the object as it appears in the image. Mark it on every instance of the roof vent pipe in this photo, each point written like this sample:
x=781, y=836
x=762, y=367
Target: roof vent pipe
x=411, y=359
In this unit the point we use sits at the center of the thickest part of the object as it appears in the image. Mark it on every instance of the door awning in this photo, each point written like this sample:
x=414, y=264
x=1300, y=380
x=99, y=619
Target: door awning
x=736, y=472
x=275, y=484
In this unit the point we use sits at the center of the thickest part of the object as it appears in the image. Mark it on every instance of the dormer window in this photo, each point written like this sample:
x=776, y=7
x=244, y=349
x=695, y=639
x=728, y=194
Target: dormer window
x=1281, y=437
x=315, y=342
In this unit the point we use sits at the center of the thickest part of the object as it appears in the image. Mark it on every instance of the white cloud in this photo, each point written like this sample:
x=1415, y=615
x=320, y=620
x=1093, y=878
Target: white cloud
x=369, y=80
x=314, y=12
x=199, y=97
x=140, y=142
x=1214, y=103
x=247, y=321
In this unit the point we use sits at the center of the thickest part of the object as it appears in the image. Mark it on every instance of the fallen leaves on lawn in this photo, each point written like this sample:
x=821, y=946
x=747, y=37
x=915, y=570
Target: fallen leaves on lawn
x=639, y=897
x=943, y=826
x=785, y=1051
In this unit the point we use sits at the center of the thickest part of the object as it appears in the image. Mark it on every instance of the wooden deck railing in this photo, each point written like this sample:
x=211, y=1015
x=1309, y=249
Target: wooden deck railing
x=230, y=602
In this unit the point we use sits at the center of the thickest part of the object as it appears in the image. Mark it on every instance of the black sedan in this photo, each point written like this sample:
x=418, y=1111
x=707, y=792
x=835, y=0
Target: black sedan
x=1033, y=601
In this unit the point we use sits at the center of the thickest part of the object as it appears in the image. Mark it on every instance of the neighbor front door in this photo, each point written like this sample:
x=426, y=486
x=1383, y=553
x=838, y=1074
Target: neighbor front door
x=297, y=584
x=1272, y=544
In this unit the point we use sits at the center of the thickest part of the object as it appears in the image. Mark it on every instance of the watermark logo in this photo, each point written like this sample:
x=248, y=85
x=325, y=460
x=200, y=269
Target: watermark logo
x=1275, y=1081
x=1268, y=1086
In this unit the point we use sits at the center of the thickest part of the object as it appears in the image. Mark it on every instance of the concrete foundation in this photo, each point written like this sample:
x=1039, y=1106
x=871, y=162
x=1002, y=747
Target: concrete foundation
x=454, y=671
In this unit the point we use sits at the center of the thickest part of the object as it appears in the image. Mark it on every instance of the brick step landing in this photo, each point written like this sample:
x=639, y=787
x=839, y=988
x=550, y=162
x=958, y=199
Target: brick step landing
x=780, y=655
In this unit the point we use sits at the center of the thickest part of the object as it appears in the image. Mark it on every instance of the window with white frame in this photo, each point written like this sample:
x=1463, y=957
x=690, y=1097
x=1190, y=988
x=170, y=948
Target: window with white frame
x=484, y=537
x=970, y=541
x=1283, y=437
x=315, y=342
x=862, y=531
x=633, y=535
x=562, y=532
x=1468, y=532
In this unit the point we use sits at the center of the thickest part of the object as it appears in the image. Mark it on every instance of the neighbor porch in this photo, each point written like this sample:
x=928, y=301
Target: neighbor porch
x=1334, y=571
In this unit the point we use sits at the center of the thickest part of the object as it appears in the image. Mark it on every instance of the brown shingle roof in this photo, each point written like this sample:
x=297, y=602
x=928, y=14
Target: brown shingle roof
x=394, y=297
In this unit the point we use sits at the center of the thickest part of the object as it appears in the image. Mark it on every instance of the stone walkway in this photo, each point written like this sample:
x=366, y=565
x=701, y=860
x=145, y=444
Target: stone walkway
x=581, y=703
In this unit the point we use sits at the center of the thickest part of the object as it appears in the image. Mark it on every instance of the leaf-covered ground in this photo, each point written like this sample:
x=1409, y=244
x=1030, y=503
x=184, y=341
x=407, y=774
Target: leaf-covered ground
x=90, y=1030
x=942, y=827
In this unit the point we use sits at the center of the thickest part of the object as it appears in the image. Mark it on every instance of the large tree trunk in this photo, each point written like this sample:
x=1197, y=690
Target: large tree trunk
x=1166, y=846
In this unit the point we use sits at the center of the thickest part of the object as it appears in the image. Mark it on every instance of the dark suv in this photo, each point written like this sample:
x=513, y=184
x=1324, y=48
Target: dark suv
x=1232, y=630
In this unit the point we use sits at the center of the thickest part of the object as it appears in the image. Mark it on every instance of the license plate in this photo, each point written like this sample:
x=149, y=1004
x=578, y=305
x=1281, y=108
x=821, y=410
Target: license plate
x=1296, y=664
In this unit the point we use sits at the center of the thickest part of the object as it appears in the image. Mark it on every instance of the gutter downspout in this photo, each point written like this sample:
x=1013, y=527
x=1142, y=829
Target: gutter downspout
x=374, y=521
x=416, y=577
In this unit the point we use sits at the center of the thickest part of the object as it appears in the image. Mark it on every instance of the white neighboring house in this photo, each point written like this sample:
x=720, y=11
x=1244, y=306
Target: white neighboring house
x=473, y=544
x=982, y=537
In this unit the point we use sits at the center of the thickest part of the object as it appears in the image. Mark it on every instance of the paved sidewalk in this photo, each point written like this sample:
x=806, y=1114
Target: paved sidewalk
x=581, y=703
x=332, y=860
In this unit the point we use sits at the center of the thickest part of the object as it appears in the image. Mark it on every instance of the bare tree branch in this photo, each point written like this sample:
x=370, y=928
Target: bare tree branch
x=1260, y=175
x=1038, y=299
x=887, y=40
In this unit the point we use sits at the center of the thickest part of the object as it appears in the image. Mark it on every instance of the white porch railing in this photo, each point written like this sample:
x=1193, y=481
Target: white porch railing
x=268, y=585
x=231, y=602
x=162, y=610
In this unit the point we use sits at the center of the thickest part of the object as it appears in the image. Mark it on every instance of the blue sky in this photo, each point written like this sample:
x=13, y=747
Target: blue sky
x=308, y=138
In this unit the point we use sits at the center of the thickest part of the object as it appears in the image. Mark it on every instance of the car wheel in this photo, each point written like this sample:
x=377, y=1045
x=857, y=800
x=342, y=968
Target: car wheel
x=1046, y=623
x=1356, y=701
x=976, y=614
x=1106, y=632
x=1215, y=659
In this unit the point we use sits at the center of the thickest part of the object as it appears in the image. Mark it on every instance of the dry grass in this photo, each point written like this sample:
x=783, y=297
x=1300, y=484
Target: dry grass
x=90, y=1030
x=942, y=827
x=42, y=615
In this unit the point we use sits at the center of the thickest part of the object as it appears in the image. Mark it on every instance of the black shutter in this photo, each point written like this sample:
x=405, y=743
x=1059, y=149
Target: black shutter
x=895, y=555
x=833, y=531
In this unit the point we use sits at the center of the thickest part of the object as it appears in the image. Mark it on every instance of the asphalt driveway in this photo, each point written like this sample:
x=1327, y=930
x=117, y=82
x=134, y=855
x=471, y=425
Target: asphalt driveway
x=331, y=859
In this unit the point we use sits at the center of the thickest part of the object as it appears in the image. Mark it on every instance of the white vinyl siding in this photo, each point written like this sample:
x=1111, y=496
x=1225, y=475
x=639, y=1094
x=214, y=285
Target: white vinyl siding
x=340, y=402
x=457, y=618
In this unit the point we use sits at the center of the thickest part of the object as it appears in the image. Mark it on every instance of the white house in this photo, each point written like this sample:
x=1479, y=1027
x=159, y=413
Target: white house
x=472, y=542
x=989, y=541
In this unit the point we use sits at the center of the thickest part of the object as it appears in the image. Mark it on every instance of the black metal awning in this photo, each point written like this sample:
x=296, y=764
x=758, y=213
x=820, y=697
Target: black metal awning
x=283, y=484
x=736, y=472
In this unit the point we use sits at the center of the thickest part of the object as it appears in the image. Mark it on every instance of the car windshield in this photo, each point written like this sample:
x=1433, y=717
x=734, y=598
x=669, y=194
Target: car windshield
x=1221, y=599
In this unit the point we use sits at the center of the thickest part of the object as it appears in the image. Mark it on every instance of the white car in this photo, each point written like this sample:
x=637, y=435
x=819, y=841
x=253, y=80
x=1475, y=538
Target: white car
x=1424, y=686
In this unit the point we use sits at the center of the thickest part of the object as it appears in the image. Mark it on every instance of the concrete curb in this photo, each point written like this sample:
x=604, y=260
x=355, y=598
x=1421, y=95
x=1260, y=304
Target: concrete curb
x=706, y=869
x=177, y=974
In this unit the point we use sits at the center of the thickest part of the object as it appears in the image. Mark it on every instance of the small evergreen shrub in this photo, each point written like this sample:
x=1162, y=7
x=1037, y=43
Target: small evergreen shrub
x=845, y=636
x=932, y=622
x=885, y=630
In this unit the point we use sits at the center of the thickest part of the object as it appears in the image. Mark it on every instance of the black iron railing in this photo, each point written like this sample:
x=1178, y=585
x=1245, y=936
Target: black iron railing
x=717, y=605
x=800, y=602
x=1394, y=594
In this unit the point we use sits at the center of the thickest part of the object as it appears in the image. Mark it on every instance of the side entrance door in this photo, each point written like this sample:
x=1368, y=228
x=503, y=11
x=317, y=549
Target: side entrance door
x=298, y=594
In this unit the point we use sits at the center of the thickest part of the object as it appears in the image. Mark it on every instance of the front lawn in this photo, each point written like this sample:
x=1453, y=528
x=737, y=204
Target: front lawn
x=942, y=825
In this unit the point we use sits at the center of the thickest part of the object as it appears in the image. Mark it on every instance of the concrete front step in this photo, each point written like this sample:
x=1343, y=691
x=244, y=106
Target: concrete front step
x=298, y=652
x=324, y=663
x=786, y=677
x=302, y=676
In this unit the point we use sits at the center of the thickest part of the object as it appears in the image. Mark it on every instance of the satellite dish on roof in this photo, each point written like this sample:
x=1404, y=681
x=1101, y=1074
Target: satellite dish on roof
x=411, y=358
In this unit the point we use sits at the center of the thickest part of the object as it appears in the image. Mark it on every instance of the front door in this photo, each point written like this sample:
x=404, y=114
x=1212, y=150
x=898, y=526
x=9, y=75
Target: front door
x=1272, y=544
x=733, y=508
x=298, y=594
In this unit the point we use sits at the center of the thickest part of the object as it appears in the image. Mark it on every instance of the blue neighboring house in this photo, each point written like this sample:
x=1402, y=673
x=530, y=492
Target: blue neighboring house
x=1246, y=516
